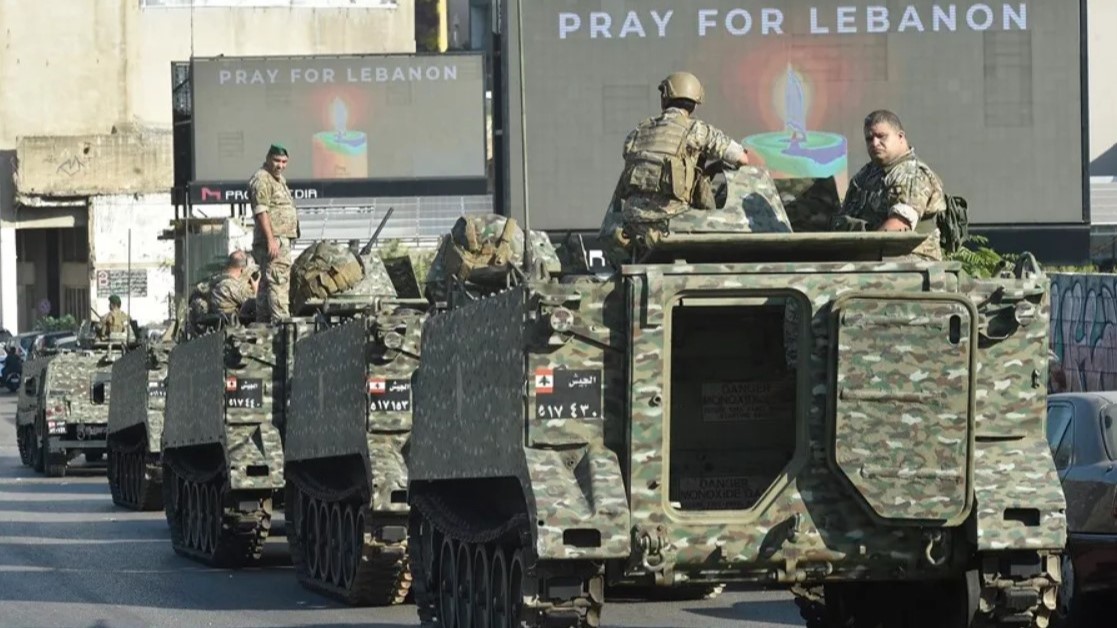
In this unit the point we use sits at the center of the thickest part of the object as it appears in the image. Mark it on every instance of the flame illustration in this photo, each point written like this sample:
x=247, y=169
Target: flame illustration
x=795, y=105
x=340, y=115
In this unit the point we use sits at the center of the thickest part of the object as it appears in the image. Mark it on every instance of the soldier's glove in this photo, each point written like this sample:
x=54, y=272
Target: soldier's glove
x=847, y=223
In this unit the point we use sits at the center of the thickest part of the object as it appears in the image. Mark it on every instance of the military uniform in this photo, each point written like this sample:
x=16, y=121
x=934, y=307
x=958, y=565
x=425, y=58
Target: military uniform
x=228, y=294
x=662, y=160
x=114, y=322
x=270, y=194
x=905, y=188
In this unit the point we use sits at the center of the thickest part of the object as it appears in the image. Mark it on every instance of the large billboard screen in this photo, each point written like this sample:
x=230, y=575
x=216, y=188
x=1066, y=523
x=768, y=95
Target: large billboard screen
x=353, y=125
x=989, y=94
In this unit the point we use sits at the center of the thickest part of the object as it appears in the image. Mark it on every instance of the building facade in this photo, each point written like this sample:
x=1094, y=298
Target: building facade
x=86, y=161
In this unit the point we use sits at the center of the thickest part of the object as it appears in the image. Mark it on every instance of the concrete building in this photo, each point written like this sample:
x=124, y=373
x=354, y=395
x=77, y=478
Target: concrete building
x=85, y=133
x=1101, y=18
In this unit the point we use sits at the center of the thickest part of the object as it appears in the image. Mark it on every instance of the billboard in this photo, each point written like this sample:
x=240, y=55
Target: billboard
x=360, y=125
x=989, y=94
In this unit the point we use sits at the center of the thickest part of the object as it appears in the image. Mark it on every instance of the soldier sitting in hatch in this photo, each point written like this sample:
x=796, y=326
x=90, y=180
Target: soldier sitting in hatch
x=115, y=321
x=663, y=157
x=234, y=287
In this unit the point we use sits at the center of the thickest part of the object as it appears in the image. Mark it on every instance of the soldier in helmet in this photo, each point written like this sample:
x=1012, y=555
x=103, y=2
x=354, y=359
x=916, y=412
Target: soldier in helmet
x=115, y=321
x=665, y=155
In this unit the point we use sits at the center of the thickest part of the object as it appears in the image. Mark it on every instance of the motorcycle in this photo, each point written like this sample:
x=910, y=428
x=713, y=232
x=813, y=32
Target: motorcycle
x=11, y=381
x=11, y=372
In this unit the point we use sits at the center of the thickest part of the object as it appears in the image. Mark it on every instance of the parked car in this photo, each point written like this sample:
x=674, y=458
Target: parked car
x=22, y=342
x=1082, y=433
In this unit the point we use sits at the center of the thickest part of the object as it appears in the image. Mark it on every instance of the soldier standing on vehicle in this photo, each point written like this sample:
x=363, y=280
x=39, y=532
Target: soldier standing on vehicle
x=277, y=227
x=115, y=321
x=895, y=191
x=233, y=287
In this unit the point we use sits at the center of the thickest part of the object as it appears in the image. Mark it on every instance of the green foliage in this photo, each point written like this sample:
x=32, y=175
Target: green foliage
x=50, y=323
x=978, y=260
x=1088, y=268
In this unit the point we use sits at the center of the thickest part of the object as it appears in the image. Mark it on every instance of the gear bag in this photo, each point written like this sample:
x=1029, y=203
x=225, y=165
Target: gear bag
x=953, y=224
x=323, y=270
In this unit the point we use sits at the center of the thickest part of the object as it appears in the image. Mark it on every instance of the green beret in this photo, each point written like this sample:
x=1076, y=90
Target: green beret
x=277, y=149
x=115, y=300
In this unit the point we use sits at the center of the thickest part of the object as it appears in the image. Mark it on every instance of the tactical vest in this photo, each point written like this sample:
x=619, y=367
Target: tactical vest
x=323, y=270
x=659, y=163
x=471, y=257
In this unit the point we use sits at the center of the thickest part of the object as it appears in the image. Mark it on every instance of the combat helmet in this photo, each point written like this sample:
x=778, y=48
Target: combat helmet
x=682, y=85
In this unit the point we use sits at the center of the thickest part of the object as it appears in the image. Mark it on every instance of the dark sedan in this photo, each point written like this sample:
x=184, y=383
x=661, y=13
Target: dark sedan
x=1082, y=432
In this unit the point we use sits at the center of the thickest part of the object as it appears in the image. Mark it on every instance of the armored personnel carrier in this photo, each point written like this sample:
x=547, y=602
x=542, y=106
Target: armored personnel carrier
x=29, y=431
x=222, y=439
x=64, y=403
x=740, y=402
x=135, y=429
x=347, y=429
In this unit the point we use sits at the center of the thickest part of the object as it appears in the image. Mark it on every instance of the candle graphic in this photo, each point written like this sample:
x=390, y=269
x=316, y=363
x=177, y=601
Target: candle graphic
x=340, y=153
x=795, y=151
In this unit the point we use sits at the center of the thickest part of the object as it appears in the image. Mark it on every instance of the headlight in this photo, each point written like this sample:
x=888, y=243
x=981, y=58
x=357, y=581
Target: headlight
x=561, y=320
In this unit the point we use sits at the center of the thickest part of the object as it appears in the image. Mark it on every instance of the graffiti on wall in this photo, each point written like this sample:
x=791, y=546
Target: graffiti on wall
x=1083, y=333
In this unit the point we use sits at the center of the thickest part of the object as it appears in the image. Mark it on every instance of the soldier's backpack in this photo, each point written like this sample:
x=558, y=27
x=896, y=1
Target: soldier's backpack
x=323, y=270
x=953, y=224
x=482, y=248
x=199, y=300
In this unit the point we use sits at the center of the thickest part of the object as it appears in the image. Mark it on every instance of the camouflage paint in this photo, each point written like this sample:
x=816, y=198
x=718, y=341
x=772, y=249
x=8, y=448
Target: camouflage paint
x=334, y=392
x=137, y=378
x=206, y=371
x=866, y=491
x=27, y=405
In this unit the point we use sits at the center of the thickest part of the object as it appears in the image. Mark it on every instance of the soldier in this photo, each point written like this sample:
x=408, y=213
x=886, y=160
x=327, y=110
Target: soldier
x=895, y=191
x=233, y=287
x=664, y=158
x=277, y=226
x=115, y=321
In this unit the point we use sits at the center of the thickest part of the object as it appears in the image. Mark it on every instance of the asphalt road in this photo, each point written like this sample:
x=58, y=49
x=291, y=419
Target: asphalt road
x=69, y=557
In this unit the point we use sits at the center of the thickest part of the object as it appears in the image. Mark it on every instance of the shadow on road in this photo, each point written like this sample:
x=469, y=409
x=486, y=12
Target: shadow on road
x=768, y=611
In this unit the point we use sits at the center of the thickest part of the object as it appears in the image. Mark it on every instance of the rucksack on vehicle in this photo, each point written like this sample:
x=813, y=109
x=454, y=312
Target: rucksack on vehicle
x=953, y=224
x=323, y=270
x=199, y=300
x=483, y=248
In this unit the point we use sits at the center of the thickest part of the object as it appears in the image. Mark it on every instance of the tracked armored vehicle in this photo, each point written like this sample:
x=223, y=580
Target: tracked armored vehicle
x=29, y=432
x=741, y=403
x=135, y=428
x=222, y=439
x=64, y=404
x=348, y=427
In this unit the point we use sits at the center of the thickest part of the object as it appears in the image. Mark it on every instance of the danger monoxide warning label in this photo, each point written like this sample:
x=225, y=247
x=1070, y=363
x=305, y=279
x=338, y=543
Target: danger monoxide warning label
x=719, y=493
x=745, y=401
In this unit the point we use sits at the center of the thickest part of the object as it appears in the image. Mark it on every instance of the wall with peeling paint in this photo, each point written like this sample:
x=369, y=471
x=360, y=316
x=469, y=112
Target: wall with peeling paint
x=80, y=71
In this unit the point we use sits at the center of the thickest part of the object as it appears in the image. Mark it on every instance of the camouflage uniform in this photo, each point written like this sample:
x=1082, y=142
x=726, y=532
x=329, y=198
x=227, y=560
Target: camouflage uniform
x=229, y=294
x=906, y=188
x=270, y=194
x=115, y=322
x=662, y=176
x=648, y=153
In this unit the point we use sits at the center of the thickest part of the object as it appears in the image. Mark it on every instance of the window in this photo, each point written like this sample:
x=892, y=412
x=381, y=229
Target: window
x=75, y=302
x=1109, y=430
x=74, y=244
x=1060, y=435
